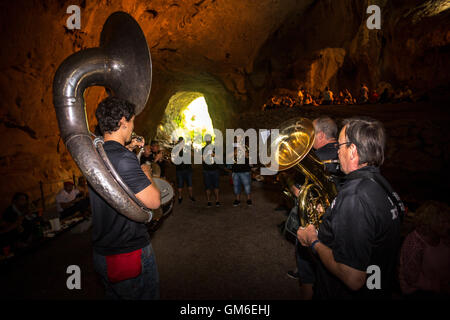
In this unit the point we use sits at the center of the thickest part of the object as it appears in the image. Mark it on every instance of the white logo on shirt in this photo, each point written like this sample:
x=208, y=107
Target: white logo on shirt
x=394, y=213
x=332, y=204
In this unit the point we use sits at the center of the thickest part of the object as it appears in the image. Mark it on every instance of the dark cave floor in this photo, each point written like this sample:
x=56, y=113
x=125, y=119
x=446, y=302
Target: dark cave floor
x=202, y=253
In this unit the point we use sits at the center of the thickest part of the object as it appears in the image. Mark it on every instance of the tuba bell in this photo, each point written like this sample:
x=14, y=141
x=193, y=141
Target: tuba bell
x=292, y=152
x=123, y=65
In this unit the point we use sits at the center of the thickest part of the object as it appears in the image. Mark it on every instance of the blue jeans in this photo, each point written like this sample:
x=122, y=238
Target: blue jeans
x=143, y=287
x=243, y=178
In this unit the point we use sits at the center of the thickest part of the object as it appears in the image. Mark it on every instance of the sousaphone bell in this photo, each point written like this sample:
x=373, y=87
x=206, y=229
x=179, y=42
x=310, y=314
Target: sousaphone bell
x=122, y=64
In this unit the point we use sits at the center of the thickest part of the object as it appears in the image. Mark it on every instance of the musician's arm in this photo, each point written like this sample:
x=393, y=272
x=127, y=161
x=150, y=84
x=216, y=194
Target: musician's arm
x=353, y=244
x=353, y=278
x=138, y=181
x=150, y=196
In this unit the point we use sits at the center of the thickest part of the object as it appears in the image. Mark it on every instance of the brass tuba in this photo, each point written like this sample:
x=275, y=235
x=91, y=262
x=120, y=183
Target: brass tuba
x=292, y=151
x=123, y=65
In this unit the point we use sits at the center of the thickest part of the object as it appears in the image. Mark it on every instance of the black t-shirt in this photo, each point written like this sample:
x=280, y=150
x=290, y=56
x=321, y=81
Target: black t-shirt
x=244, y=167
x=206, y=166
x=362, y=228
x=10, y=215
x=151, y=158
x=329, y=152
x=144, y=158
x=113, y=233
x=182, y=166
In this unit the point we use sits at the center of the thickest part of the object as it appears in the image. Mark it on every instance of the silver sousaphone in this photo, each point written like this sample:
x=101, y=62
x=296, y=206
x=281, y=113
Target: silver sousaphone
x=122, y=64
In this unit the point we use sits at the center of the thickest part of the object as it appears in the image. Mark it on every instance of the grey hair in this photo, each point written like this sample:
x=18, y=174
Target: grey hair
x=327, y=126
x=369, y=137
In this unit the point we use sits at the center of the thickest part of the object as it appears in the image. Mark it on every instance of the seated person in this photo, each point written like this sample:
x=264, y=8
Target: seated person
x=398, y=96
x=11, y=222
x=69, y=201
x=364, y=94
x=308, y=99
x=424, y=270
x=407, y=94
x=374, y=97
x=31, y=225
x=327, y=96
x=348, y=97
x=385, y=96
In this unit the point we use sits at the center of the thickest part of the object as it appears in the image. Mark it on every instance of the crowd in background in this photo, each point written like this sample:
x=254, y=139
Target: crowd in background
x=340, y=97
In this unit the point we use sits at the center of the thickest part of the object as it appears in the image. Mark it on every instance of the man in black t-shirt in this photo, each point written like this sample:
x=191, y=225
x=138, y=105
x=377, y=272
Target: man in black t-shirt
x=325, y=142
x=123, y=255
x=325, y=148
x=153, y=154
x=360, y=232
x=210, y=172
x=183, y=172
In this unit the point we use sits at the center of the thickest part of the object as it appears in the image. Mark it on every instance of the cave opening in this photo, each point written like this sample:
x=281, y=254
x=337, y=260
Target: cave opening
x=187, y=116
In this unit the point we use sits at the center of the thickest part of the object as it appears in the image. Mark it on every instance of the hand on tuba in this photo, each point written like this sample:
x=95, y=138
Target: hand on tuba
x=307, y=235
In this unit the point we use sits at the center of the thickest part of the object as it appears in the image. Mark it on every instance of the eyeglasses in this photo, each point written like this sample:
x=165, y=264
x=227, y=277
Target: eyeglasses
x=340, y=144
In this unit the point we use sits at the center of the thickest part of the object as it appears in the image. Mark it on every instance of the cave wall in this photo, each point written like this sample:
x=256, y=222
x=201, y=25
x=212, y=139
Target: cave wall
x=235, y=52
x=329, y=45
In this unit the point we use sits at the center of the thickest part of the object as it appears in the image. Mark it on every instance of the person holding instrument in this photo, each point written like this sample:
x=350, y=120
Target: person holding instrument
x=325, y=148
x=123, y=255
x=361, y=228
x=154, y=155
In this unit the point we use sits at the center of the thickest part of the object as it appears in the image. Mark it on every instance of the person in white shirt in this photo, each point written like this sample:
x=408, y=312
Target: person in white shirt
x=69, y=201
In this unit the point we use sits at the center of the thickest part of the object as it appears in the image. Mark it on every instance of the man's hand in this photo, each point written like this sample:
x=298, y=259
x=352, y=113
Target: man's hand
x=147, y=170
x=135, y=143
x=158, y=157
x=307, y=235
x=294, y=190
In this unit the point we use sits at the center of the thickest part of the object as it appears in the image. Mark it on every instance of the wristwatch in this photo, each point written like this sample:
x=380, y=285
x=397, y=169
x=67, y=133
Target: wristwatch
x=313, y=244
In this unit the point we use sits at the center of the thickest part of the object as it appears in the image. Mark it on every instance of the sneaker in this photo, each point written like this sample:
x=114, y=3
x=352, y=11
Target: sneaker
x=293, y=275
x=249, y=202
x=217, y=204
x=236, y=203
x=192, y=199
x=209, y=204
x=179, y=200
